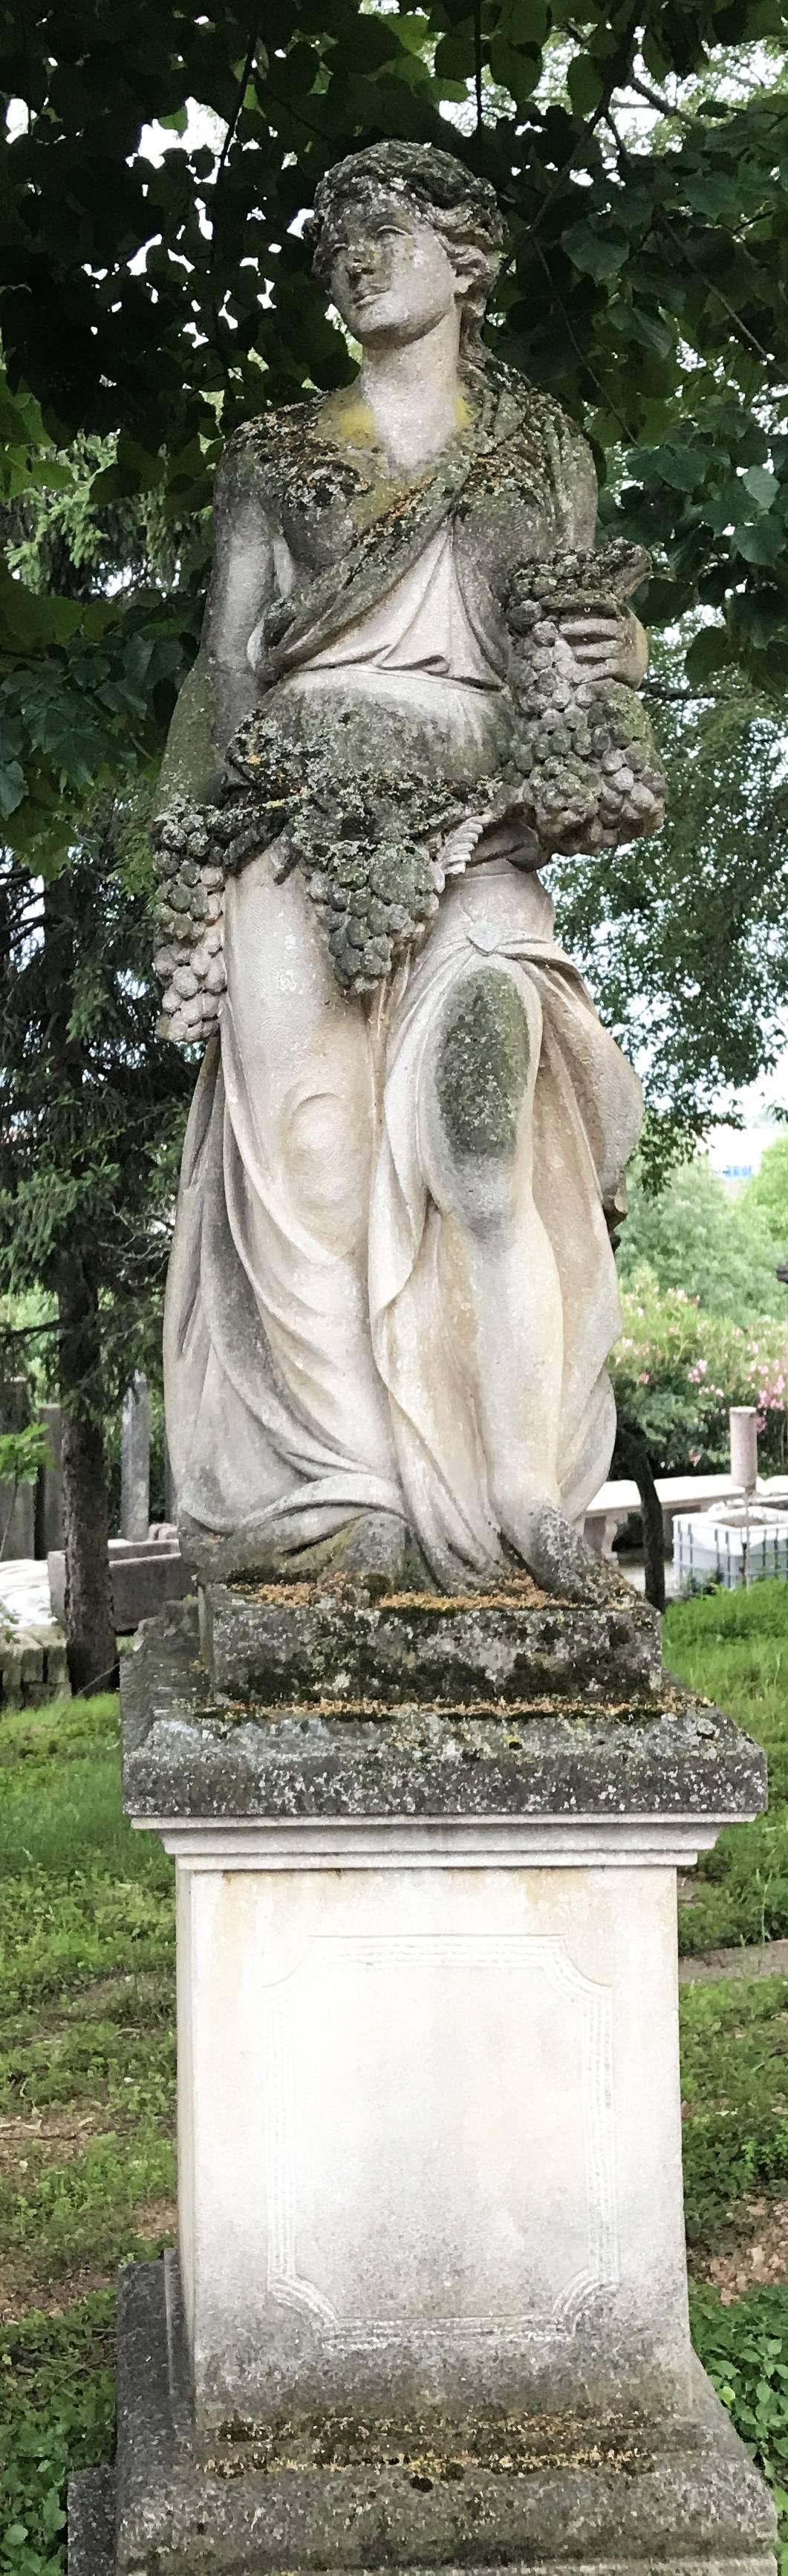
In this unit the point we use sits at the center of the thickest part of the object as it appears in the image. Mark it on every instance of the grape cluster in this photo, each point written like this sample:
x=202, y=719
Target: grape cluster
x=360, y=835
x=583, y=746
x=195, y=848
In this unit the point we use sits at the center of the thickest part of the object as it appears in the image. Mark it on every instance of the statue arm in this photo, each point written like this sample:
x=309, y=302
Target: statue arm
x=221, y=688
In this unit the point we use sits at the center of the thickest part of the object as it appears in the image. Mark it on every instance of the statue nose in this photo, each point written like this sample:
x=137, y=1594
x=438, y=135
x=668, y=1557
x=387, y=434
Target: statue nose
x=365, y=262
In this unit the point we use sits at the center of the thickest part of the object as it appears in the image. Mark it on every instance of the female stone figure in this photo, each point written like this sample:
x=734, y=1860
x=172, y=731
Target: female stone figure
x=392, y=1293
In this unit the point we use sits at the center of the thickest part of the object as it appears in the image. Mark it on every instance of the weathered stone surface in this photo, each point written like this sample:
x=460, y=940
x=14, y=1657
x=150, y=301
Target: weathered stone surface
x=135, y=1460
x=144, y=1578
x=442, y=2167
x=435, y=2492
x=33, y=1667
x=187, y=1753
x=273, y=1642
x=91, y=2523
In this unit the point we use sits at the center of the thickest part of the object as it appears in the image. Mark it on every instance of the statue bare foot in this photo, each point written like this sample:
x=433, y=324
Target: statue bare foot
x=559, y=1560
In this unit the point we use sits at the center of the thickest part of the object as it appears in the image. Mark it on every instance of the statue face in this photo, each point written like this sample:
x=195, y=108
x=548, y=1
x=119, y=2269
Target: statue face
x=391, y=278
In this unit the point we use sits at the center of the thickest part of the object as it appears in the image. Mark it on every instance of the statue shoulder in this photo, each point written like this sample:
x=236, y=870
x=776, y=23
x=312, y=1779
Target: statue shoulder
x=265, y=452
x=536, y=427
x=290, y=459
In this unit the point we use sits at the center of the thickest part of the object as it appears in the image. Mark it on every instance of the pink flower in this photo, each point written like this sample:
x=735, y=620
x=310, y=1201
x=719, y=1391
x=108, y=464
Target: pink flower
x=644, y=1379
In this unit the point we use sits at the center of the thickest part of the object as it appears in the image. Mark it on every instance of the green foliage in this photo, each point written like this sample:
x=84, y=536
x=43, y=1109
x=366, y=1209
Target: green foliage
x=683, y=936
x=91, y=1103
x=23, y=1452
x=733, y=1647
x=87, y=2048
x=745, y=2351
x=95, y=642
x=735, y=2104
x=691, y=1235
x=57, y=2413
x=764, y=1199
x=676, y=1371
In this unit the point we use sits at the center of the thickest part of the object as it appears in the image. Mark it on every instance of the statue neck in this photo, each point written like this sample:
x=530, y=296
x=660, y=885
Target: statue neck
x=414, y=393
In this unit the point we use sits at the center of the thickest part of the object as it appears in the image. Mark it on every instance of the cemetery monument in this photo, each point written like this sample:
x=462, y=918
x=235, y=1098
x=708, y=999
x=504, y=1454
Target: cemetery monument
x=426, y=1783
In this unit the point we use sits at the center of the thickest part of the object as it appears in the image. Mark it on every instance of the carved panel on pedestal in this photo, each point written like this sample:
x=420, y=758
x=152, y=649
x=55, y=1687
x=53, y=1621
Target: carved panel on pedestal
x=418, y=2187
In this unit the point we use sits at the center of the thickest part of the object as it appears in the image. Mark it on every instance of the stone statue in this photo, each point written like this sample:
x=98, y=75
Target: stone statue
x=392, y=1293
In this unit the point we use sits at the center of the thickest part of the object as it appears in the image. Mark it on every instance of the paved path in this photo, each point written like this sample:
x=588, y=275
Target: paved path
x=762, y=1959
x=24, y=1592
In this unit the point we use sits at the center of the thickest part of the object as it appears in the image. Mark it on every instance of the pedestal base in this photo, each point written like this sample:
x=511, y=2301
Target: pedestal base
x=545, y=2492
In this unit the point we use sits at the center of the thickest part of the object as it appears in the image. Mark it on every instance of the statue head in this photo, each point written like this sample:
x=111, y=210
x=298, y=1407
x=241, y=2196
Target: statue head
x=401, y=232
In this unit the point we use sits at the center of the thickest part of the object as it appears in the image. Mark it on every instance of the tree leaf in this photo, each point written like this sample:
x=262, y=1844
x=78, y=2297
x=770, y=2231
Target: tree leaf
x=584, y=83
x=709, y=652
x=597, y=254
x=12, y=787
x=761, y=484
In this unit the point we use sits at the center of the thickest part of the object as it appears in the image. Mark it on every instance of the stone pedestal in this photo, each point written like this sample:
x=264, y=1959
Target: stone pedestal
x=431, y=2301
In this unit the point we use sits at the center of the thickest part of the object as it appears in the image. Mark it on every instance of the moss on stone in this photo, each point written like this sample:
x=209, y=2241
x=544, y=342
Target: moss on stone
x=483, y=1064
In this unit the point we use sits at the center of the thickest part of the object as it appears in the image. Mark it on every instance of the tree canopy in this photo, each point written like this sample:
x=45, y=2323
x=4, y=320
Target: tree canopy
x=683, y=937
x=151, y=297
x=690, y=1235
x=764, y=1200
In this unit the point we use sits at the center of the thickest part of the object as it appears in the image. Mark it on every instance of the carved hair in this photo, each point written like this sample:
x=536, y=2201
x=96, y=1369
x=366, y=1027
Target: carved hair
x=462, y=210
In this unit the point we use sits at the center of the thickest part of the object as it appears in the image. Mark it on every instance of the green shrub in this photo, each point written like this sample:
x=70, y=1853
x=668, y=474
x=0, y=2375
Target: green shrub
x=676, y=1371
x=744, y=2348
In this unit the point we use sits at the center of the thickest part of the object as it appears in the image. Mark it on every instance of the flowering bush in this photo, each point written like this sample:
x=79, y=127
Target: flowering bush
x=676, y=1370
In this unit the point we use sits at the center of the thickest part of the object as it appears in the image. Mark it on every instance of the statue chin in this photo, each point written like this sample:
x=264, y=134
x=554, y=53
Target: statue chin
x=392, y=1292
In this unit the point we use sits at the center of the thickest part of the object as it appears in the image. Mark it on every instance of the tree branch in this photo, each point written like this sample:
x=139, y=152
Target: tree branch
x=477, y=50
x=242, y=89
x=653, y=99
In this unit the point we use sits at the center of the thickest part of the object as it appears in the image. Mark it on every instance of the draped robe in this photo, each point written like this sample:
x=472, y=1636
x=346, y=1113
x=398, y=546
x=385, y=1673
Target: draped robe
x=320, y=1361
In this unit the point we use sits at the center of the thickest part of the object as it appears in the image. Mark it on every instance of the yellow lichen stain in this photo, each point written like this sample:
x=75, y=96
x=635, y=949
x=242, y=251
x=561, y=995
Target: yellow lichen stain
x=356, y=424
x=463, y=411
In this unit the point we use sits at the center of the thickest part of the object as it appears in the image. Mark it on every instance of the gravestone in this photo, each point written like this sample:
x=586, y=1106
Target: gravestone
x=426, y=1784
x=135, y=1460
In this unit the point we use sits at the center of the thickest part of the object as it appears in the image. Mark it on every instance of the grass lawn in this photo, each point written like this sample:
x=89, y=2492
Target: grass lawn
x=87, y=2167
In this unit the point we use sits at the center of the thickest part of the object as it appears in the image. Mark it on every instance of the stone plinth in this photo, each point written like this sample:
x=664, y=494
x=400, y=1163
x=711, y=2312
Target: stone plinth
x=431, y=2297
x=550, y=2492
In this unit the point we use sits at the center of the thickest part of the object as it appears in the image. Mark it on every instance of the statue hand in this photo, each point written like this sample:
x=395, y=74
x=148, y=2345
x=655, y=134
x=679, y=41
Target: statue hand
x=608, y=648
x=512, y=838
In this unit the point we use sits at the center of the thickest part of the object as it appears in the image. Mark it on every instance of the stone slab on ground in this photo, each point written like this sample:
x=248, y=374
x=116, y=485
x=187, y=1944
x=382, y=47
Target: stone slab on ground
x=744, y=1959
x=91, y=2522
x=33, y=1660
x=144, y=1575
x=188, y=1753
x=273, y=1642
x=24, y=1592
x=33, y=1667
x=557, y=2493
